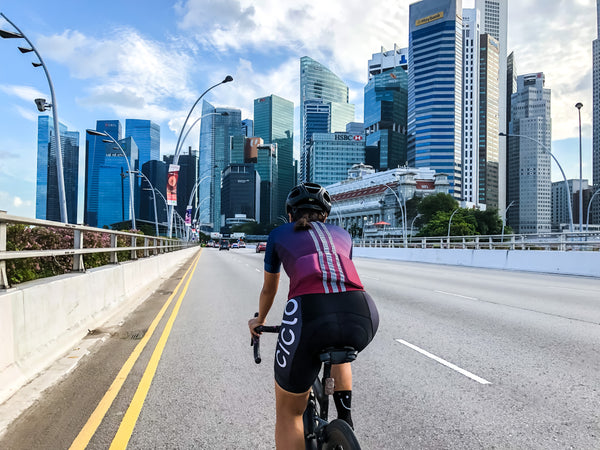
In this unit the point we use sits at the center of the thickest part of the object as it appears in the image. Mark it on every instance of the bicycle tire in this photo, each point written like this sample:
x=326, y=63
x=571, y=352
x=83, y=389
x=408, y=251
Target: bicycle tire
x=339, y=436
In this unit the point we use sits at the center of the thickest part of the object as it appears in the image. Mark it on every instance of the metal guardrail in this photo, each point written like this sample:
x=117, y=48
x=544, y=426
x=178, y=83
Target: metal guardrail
x=151, y=245
x=584, y=241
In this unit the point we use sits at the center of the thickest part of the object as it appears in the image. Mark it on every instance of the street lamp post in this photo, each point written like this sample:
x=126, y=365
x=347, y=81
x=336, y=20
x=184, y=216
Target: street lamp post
x=587, y=224
x=412, y=224
x=450, y=223
x=570, y=207
x=402, y=210
x=504, y=217
x=42, y=106
x=140, y=173
x=579, y=105
x=227, y=79
x=112, y=140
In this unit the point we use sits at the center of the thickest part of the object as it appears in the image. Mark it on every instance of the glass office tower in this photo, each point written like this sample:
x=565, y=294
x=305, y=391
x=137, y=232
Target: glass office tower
x=156, y=172
x=386, y=103
x=529, y=175
x=113, y=183
x=186, y=181
x=47, y=202
x=274, y=123
x=95, y=155
x=435, y=88
x=147, y=137
x=489, y=122
x=216, y=131
x=317, y=82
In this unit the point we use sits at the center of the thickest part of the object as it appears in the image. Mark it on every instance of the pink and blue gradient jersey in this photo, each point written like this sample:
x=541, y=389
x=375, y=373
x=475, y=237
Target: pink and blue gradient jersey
x=317, y=261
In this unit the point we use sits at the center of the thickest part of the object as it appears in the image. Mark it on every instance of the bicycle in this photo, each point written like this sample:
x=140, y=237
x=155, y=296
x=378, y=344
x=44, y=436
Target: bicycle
x=319, y=433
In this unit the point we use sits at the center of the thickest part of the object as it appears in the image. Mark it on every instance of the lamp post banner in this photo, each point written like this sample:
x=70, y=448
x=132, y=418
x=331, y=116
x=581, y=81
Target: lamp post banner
x=172, y=184
x=188, y=216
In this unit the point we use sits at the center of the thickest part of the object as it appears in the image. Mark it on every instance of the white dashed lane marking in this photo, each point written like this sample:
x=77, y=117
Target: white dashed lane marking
x=444, y=362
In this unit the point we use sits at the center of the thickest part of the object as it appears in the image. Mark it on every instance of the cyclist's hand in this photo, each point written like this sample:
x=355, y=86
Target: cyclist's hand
x=253, y=323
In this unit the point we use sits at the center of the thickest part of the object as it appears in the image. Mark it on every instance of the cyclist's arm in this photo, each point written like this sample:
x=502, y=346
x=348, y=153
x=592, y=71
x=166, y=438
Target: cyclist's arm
x=267, y=296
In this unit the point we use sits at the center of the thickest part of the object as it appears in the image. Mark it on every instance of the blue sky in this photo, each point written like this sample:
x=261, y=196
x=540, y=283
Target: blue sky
x=151, y=60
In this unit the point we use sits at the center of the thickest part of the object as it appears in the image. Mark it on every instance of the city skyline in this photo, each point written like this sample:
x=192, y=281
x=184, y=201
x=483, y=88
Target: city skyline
x=171, y=55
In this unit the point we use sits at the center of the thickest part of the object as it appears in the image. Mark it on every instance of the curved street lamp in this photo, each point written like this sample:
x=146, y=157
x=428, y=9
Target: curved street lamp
x=143, y=175
x=227, y=79
x=559, y=166
x=450, y=223
x=504, y=217
x=587, y=224
x=579, y=105
x=109, y=141
x=42, y=106
x=402, y=210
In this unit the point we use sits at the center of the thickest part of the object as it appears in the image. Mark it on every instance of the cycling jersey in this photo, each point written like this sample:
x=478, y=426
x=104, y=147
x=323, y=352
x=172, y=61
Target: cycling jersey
x=317, y=260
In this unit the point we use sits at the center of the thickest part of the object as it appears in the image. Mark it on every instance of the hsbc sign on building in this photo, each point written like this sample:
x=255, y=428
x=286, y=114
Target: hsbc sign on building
x=331, y=155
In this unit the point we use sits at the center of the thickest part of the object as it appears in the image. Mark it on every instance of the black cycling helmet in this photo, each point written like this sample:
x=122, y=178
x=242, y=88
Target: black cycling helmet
x=308, y=196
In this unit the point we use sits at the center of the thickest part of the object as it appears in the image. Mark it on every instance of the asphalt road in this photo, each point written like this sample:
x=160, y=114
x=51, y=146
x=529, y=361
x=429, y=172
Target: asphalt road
x=464, y=359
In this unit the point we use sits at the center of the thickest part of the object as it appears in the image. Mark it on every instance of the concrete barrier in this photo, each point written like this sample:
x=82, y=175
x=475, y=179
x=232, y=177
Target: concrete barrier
x=566, y=263
x=41, y=320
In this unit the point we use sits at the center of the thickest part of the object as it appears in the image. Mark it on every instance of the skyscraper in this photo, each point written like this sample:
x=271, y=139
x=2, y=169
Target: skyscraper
x=317, y=82
x=147, y=137
x=274, y=123
x=95, y=155
x=113, y=197
x=333, y=154
x=488, y=142
x=386, y=103
x=186, y=181
x=494, y=21
x=471, y=72
x=156, y=172
x=47, y=205
x=595, y=210
x=435, y=88
x=216, y=131
x=529, y=156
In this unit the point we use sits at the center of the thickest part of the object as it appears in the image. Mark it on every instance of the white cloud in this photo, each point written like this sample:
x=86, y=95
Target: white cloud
x=132, y=75
x=26, y=93
x=341, y=34
x=558, y=43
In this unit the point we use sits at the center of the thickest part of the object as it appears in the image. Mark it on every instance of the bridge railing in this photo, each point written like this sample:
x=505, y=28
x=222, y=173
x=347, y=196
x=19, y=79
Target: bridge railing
x=137, y=245
x=584, y=241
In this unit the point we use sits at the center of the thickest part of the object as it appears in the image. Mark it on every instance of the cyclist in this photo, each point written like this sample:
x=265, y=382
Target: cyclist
x=327, y=307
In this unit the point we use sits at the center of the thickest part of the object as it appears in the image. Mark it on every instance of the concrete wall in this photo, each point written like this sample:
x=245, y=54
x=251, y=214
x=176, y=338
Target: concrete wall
x=42, y=320
x=566, y=263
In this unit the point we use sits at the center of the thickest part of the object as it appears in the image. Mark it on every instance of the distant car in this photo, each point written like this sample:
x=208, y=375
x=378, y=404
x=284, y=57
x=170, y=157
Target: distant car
x=261, y=247
x=242, y=244
x=224, y=245
x=235, y=245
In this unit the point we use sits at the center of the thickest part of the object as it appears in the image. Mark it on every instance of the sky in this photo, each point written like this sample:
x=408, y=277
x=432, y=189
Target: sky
x=151, y=59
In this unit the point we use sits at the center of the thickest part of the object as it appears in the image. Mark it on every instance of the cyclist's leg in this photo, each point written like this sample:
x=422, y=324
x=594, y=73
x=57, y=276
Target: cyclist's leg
x=343, y=376
x=289, y=428
x=342, y=397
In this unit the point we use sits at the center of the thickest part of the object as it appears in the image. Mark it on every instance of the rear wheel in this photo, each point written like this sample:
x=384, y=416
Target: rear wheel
x=339, y=436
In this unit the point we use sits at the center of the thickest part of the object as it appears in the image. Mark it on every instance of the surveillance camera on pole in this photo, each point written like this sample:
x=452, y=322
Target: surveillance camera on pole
x=41, y=104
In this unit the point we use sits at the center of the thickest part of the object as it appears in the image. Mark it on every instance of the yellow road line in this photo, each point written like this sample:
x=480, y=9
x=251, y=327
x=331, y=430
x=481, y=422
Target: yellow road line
x=123, y=435
x=95, y=419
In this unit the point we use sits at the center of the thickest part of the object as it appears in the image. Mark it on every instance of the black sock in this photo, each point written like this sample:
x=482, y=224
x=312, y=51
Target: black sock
x=343, y=404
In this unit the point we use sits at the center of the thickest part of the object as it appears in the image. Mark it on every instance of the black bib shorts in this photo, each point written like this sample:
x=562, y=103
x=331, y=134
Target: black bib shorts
x=314, y=322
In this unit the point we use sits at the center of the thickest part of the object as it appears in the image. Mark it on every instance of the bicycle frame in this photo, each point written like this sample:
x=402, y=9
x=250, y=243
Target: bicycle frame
x=315, y=424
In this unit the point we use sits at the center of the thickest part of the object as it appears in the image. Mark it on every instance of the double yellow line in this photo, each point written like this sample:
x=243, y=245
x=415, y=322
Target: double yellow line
x=123, y=435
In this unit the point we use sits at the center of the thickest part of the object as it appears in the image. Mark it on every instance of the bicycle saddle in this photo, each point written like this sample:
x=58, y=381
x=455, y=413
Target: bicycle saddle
x=334, y=355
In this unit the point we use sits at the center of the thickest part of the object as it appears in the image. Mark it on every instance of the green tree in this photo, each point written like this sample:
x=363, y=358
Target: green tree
x=463, y=224
x=488, y=221
x=432, y=204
